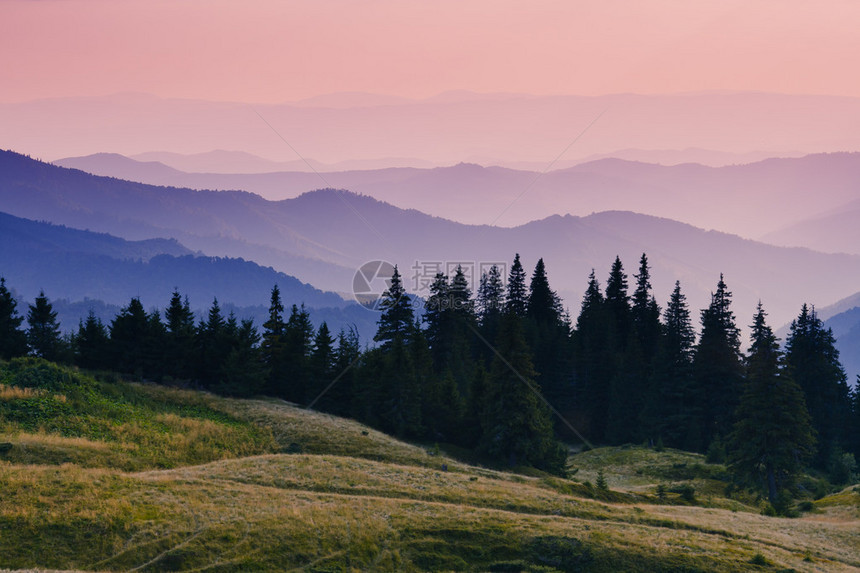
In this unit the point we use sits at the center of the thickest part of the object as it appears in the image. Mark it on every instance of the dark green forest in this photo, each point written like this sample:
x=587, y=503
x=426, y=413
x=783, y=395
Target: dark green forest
x=505, y=372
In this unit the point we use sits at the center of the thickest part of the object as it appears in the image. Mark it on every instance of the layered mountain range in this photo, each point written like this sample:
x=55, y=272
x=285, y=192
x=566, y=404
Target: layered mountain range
x=322, y=237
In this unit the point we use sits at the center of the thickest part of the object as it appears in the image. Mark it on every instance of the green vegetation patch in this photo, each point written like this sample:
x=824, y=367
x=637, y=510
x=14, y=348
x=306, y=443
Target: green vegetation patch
x=52, y=415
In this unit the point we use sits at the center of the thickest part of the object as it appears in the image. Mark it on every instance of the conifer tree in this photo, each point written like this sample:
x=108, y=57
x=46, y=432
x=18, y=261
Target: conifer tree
x=397, y=317
x=854, y=425
x=717, y=372
x=273, y=343
x=92, y=344
x=671, y=407
x=154, y=347
x=321, y=367
x=543, y=304
x=814, y=360
x=298, y=337
x=128, y=330
x=645, y=312
x=491, y=296
x=43, y=335
x=474, y=403
x=438, y=317
x=339, y=398
x=548, y=334
x=179, y=350
x=772, y=437
x=13, y=340
x=213, y=346
x=515, y=422
x=593, y=362
x=400, y=392
x=516, y=299
x=618, y=305
x=243, y=371
x=633, y=381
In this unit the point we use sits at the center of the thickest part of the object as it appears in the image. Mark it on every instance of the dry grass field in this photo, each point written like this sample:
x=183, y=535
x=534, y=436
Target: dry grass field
x=182, y=481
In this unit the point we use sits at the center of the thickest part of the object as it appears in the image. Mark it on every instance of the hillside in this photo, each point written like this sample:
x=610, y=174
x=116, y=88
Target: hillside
x=323, y=236
x=139, y=477
x=75, y=264
x=83, y=271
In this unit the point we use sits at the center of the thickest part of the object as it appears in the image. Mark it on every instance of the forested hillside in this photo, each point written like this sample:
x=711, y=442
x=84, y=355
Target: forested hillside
x=508, y=374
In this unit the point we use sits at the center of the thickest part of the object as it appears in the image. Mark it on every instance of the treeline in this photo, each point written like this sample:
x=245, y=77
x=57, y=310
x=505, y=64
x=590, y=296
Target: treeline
x=506, y=371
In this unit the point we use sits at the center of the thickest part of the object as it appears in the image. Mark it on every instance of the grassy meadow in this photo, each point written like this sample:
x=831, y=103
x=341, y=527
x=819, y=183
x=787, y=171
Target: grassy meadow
x=98, y=474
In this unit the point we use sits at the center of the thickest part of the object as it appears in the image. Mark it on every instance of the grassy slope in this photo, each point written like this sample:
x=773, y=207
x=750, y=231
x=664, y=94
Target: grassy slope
x=202, y=483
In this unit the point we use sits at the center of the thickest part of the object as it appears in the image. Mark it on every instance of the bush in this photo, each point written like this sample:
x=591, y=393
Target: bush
x=842, y=468
x=687, y=492
x=716, y=453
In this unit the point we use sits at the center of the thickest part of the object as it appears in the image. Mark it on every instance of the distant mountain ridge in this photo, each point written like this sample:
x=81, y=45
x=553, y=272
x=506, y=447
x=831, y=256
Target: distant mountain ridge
x=751, y=200
x=453, y=127
x=83, y=271
x=341, y=230
x=75, y=264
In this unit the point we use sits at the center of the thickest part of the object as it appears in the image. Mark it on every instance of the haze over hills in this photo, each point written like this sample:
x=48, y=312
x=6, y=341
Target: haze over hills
x=221, y=161
x=100, y=272
x=751, y=200
x=445, y=130
x=341, y=230
x=836, y=231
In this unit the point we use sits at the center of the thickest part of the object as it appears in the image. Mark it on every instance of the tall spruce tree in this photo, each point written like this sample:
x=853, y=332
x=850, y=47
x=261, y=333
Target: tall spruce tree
x=623, y=361
x=43, y=334
x=13, y=340
x=438, y=318
x=772, y=436
x=321, y=368
x=854, y=425
x=491, y=295
x=671, y=406
x=400, y=390
x=645, y=312
x=273, y=343
x=717, y=372
x=213, y=344
x=155, y=345
x=489, y=306
x=814, y=360
x=347, y=356
x=543, y=305
x=243, y=372
x=128, y=330
x=179, y=350
x=397, y=317
x=516, y=299
x=516, y=425
x=633, y=380
x=593, y=362
x=92, y=344
x=298, y=337
x=617, y=303
x=547, y=331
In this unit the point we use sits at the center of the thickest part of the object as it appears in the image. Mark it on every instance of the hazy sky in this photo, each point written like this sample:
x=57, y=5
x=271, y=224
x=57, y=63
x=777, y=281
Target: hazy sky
x=276, y=51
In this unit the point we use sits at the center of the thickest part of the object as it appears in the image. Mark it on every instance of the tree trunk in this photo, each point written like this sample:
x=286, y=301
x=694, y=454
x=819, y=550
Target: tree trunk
x=771, y=484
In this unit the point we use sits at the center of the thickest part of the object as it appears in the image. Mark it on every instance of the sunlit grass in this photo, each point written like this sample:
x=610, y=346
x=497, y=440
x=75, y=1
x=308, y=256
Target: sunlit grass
x=147, y=478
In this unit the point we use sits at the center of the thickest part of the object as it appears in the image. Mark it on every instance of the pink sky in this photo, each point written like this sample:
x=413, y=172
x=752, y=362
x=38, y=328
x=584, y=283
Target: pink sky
x=275, y=51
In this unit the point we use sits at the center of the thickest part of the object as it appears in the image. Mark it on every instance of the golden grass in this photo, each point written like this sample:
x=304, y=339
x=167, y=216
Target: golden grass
x=281, y=512
x=8, y=393
x=348, y=498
